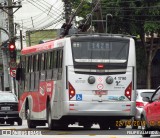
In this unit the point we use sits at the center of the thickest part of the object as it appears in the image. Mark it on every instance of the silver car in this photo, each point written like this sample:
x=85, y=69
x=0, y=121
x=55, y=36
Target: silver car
x=140, y=93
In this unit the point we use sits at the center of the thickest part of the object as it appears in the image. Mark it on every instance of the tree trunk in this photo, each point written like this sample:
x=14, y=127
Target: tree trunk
x=151, y=55
x=149, y=71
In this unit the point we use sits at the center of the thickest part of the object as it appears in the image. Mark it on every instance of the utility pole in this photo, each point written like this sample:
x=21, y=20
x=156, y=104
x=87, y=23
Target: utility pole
x=10, y=19
x=8, y=8
x=11, y=31
x=67, y=9
x=21, y=39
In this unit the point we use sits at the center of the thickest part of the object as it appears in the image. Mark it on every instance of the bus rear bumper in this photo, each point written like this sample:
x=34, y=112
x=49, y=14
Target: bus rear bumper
x=123, y=110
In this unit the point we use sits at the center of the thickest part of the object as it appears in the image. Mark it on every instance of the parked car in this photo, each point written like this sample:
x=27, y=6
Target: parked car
x=151, y=113
x=9, y=108
x=140, y=93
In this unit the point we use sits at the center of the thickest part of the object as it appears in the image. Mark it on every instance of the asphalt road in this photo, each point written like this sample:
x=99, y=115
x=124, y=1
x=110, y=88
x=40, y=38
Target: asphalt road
x=73, y=130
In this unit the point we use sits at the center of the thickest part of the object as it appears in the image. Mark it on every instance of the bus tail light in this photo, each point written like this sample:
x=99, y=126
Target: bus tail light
x=71, y=91
x=128, y=91
x=100, y=66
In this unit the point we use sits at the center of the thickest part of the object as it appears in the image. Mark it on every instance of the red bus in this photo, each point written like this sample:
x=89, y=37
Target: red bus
x=89, y=79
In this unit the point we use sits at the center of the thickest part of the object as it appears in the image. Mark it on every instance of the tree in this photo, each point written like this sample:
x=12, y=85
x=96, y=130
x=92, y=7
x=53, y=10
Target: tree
x=134, y=17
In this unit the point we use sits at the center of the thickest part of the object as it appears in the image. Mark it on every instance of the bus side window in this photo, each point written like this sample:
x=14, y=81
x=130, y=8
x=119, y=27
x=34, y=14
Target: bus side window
x=34, y=63
x=31, y=64
x=55, y=59
x=37, y=69
x=43, y=67
x=39, y=62
x=60, y=59
x=54, y=64
x=32, y=73
x=48, y=61
x=27, y=74
x=26, y=65
x=48, y=66
x=42, y=62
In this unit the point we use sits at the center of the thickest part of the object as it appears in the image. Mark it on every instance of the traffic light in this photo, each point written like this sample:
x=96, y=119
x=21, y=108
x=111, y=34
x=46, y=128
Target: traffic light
x=12, y=50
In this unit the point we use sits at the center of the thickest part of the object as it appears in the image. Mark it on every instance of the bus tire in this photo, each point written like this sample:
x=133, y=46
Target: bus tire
x=113, y=126
x=49, y=118
x=19, y=122
x=103, y=126
x=30, y=123
x=87, y=126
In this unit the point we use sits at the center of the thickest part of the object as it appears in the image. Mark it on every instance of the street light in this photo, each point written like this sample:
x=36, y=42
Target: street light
x=107, y=19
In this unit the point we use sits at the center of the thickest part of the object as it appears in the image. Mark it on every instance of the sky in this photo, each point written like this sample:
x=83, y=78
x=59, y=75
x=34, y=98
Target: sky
x=39, y=14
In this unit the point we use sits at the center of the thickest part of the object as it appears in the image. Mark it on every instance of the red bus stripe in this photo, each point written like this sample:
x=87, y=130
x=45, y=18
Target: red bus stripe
x=38, y=48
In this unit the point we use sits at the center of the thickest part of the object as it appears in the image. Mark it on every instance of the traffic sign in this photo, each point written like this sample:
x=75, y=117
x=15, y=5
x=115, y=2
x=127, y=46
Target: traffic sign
x=13, y=64
x=13, y=73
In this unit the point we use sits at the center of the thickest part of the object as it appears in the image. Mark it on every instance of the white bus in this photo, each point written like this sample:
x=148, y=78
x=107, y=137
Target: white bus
x=86, y=79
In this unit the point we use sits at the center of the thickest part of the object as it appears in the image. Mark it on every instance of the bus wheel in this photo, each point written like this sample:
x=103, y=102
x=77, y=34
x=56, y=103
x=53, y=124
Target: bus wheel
x=113, y=125
x=19, y=122
x=87, y=126
x=49, y=118
x=29, y=122
x=103, y=126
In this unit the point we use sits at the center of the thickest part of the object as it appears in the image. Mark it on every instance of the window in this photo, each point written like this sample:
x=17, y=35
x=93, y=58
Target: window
x=48, y=65
x=43, y=62
x=39, y=62
x=34, y=63
x=31, y=64
x=156, y=97
x=60, y=58
x=53, y=59
x=27, y=64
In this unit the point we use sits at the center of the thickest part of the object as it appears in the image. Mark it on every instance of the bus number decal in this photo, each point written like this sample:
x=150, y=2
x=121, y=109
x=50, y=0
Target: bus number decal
x=42, y=90
x=118, y=82
x=49, y=87
x=122, y=78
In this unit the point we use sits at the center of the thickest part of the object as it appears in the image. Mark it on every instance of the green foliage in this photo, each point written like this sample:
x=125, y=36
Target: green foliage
x=134, y=17
x=37, y=36
x=129, y=17
x=151, y=27
x=86, y=9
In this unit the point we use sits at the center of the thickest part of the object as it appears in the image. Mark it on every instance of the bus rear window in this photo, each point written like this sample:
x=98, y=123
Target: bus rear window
x=100, y=51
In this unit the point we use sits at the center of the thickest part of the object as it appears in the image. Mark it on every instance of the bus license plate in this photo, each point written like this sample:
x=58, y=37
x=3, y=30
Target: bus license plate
x=5, y=108
x=101, y=92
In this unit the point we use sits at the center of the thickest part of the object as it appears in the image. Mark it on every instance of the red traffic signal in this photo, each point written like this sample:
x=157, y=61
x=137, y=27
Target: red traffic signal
x=12, y=50
x=12, y=47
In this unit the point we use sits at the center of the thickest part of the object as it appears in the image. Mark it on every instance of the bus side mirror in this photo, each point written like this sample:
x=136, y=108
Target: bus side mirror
x=18, y=74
